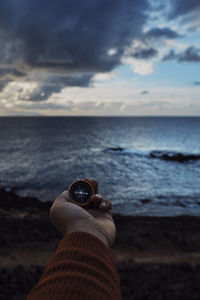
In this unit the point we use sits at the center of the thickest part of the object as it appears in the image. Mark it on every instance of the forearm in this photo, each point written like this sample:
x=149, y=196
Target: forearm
x=81, y=268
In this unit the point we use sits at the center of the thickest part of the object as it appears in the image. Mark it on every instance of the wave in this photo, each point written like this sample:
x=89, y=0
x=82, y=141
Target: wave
x=157, y=154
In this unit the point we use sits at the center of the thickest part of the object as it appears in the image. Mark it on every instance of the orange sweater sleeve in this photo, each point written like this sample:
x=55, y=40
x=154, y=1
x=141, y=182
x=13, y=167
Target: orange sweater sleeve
x=81, y=268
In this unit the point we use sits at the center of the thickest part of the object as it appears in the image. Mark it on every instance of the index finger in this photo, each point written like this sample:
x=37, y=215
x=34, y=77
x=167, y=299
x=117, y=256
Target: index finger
x=62, y=198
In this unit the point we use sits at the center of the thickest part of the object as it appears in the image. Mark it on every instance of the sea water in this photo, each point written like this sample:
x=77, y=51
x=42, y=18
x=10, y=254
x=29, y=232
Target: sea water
x=144, y=165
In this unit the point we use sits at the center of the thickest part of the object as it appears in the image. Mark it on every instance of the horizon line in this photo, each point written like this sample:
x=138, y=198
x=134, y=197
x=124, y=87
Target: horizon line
x=99, y=116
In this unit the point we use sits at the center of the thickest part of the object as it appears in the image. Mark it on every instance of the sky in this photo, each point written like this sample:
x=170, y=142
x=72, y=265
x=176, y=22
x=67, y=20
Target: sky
x=99, y=57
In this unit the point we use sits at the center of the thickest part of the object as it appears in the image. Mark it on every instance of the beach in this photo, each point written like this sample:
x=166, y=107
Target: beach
x=157, y=257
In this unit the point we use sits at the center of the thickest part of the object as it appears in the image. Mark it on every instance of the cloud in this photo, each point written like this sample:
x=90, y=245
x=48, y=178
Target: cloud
x=11, y=73
x=45, y=106
x=47, y=46
x=197, y=83
x=74, y=80
x=144, y=53
x=104, y=76
x=141, y=67
x=3, y=83
x=145, y=92
x=54, y=84
x=191, y=54
x=170, y=56
x=66, y=39
x=42, y=93
x=181, y=8
x=162, y=33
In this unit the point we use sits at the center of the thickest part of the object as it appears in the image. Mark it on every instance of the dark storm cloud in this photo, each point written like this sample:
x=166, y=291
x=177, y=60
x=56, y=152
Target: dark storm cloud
x=68, y=37
x=11, y=72
x=181, y=7
x=43, y=92
x=55, y=84
x=3, y=83
x=78, y=80
x=144, y=53
x=197, y=83
x=191, y=54
x=162, y=33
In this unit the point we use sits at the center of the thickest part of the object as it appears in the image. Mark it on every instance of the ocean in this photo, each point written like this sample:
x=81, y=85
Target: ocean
x=144, y=165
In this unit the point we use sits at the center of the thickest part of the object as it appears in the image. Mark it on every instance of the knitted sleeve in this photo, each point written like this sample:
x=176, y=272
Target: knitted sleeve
x=81, y=268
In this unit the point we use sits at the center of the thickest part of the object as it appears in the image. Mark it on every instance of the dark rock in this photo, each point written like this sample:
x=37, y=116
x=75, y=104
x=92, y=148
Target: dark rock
x=114, y=149
x=145, y=201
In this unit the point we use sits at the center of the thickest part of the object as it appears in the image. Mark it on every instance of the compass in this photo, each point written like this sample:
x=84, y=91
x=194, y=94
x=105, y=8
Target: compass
x=80, y=192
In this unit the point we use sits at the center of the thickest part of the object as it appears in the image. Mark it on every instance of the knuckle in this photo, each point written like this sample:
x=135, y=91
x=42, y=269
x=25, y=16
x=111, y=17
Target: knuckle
x=52, y=211
x=94, y=180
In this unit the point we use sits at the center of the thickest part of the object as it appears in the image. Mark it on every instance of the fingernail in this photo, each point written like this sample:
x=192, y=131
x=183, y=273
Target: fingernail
x=103, y=204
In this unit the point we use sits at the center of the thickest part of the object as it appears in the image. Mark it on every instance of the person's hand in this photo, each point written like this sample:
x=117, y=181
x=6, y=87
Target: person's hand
x=96, y=218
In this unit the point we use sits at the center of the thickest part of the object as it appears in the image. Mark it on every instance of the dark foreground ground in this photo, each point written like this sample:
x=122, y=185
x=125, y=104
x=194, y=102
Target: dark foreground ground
x=157, y=258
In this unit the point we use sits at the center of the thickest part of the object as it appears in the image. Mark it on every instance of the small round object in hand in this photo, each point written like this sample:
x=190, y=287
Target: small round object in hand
x=80, y=192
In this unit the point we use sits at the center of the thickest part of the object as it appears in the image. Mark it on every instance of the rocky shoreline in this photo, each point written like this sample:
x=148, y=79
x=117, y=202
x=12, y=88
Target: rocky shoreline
x=157, y=258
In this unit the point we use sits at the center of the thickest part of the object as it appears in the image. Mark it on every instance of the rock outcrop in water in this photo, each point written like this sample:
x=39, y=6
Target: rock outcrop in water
x=164, y=155
x=174, y=156
x=117, y=149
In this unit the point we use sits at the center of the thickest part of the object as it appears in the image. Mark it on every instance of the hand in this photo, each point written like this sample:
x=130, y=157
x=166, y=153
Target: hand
x=96, y=218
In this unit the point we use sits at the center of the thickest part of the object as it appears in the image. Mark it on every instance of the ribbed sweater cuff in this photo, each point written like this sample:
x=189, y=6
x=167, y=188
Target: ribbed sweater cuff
x=88, y=243
x=83, y=240
x=81, y=268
